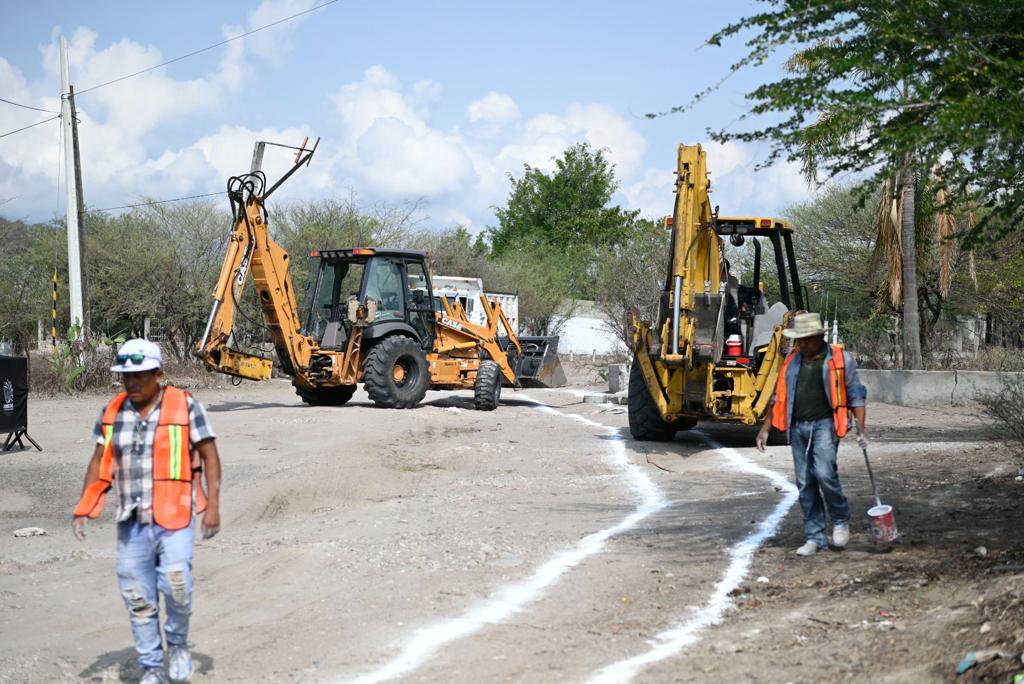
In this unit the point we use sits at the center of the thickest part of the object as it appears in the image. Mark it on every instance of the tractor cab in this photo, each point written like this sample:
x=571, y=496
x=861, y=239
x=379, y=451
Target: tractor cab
x=395, y=280
x=749, y=318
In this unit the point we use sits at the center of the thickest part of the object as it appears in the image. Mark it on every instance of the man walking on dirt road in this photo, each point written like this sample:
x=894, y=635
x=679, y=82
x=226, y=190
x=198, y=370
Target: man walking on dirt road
x=816, y=390
x=153, y=442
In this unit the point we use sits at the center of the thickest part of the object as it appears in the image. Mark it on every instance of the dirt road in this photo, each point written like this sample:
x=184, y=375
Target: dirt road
x=535, y=543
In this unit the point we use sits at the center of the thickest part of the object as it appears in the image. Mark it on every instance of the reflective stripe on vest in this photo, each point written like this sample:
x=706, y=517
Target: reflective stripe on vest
x=172, y=463
x=837, y=393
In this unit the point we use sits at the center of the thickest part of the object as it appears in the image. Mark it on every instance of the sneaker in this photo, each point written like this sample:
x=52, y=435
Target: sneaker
x=152, y=676
x=808, y=549
x=179, y=664
x=840, y=535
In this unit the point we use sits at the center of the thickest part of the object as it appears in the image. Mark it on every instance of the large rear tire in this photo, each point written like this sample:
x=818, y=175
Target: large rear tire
x=645, y=422
x=325, y=396
x=395, y=373
x=487, y=389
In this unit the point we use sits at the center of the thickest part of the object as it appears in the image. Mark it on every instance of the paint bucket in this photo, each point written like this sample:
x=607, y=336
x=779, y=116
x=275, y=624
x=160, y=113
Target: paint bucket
x=883, y=523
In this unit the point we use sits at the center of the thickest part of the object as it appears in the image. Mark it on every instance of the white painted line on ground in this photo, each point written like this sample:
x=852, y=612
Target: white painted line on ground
x=512, y=598
x=671, y=642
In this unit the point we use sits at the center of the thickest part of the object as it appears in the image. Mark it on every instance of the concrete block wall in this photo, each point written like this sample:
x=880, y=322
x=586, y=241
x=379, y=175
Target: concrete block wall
x=929, y=388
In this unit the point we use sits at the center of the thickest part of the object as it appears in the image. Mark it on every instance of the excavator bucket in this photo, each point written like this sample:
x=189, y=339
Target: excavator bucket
x=538, y=366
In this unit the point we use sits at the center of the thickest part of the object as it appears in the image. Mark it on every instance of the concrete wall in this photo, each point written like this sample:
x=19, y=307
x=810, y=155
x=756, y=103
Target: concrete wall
x=586, y=333
x=929, y=388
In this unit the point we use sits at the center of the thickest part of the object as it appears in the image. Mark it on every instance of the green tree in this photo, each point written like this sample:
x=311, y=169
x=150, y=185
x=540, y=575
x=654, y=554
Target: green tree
x=567, y=212
x=959, y=107
x=630, y=276
x=28, y=255
x=339, y=223
x=887, y=89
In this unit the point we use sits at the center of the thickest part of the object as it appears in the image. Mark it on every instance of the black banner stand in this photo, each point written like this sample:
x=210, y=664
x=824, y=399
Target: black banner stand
x=14, y=438
x=14, y=402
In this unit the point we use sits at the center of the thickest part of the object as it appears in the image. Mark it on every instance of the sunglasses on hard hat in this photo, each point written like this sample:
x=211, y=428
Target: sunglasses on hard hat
x=136, y=359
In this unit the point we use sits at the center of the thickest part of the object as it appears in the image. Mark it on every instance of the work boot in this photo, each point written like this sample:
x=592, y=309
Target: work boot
x=179, y=664
x=840, y=535
x=152, y=676
x=808, y=549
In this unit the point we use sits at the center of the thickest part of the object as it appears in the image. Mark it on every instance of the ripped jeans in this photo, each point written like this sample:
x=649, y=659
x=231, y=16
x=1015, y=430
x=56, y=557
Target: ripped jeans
x=817, y=477
x=151, y=559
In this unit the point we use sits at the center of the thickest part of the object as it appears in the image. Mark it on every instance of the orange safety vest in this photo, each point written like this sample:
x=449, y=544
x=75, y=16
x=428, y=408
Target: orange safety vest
x=173, y=464
x=837, y=383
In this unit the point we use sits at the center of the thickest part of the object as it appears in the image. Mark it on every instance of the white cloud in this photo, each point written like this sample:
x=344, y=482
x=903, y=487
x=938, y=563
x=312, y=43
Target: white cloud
x=493, y=108
x=123, y=153
x=652, y=193
x=385, y=141
x=274, y=44
x=388, y=140
x=397, y=160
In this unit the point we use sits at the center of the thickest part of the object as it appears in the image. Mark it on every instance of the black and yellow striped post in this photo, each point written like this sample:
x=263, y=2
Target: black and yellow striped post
x=53, y=327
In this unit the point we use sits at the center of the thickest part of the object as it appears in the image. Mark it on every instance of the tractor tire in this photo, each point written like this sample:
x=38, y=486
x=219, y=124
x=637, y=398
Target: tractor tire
x=487, y=389
x=395, y=373
x=325, y=396
x=645, y=421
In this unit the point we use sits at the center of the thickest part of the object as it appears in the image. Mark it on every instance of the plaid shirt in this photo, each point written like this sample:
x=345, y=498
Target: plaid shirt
x=133, y=453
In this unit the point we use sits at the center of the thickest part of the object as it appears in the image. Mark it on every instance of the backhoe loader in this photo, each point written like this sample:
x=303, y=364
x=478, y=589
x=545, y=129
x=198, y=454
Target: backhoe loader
x=369, y=316
x=683, y=369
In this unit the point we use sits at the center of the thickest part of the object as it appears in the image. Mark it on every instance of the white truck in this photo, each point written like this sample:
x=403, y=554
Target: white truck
x=467, y=292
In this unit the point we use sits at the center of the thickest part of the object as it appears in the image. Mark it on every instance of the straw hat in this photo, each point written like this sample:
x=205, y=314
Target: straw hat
x=805, y=325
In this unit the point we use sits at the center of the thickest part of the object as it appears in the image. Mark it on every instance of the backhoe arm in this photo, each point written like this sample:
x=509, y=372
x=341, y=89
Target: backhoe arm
x=251, y=250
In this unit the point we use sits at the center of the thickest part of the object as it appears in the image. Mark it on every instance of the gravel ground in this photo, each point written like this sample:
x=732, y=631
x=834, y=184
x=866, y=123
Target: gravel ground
x=526, y=544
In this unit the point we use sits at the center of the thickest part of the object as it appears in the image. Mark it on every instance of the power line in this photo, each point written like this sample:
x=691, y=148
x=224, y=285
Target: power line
x=208, y=47
x=25, y=128
x=18, y=104
x=146, y=204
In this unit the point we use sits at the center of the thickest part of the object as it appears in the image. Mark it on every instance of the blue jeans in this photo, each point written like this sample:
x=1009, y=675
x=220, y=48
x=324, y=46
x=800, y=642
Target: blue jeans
x=151, y=559
x=817, y=477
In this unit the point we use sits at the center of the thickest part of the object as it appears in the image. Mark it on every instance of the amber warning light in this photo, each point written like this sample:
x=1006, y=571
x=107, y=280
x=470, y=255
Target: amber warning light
x=359, y=252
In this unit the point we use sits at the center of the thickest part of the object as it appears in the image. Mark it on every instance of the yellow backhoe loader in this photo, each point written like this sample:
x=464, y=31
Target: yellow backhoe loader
x=369, y=316
x=716, y=350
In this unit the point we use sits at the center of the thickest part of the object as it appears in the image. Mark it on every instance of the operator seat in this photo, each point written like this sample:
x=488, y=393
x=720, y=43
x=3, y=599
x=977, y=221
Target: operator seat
x=764, y=325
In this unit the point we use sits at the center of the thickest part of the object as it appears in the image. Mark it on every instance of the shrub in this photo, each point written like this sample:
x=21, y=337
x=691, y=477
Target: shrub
x=1005, y=407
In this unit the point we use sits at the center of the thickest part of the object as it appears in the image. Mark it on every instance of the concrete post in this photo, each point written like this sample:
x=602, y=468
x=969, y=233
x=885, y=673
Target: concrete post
x=618, y=377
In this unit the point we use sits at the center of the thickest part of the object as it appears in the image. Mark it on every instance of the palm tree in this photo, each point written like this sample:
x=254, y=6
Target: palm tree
x=896, y=241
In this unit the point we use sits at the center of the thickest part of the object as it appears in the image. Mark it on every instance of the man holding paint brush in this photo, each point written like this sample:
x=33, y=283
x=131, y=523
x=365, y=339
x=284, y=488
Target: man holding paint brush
x=817, y=389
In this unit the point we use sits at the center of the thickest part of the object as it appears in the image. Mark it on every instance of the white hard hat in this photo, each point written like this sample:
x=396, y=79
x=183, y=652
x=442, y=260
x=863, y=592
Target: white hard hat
x=136, y=356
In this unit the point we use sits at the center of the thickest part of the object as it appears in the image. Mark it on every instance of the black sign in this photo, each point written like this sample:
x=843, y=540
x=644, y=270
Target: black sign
x=13, y=393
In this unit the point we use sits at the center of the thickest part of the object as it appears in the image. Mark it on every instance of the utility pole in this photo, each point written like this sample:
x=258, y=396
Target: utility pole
x=74, y=246
x=81, y=211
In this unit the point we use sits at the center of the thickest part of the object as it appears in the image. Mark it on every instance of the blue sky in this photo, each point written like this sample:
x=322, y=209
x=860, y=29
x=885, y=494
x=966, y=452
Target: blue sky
x=438, y=101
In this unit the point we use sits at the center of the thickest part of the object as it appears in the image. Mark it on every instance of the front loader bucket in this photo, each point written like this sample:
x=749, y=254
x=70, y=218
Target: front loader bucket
x=538, y=366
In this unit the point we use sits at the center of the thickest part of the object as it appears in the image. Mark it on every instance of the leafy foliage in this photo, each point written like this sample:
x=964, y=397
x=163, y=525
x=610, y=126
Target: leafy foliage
x=566, y=212
x=1003, y=408
x=630, y=276
x=936, y=81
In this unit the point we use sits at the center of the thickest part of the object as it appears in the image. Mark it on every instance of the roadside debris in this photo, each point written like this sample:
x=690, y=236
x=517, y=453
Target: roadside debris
x=976, y=657
x=30, y=532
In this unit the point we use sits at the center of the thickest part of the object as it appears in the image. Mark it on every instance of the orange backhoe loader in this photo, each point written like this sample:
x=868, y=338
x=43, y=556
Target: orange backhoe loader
x=370, y=316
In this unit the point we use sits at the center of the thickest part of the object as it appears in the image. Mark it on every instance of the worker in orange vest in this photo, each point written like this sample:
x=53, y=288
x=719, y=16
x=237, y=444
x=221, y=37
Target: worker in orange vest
x=153, y=442
x=817, y=389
